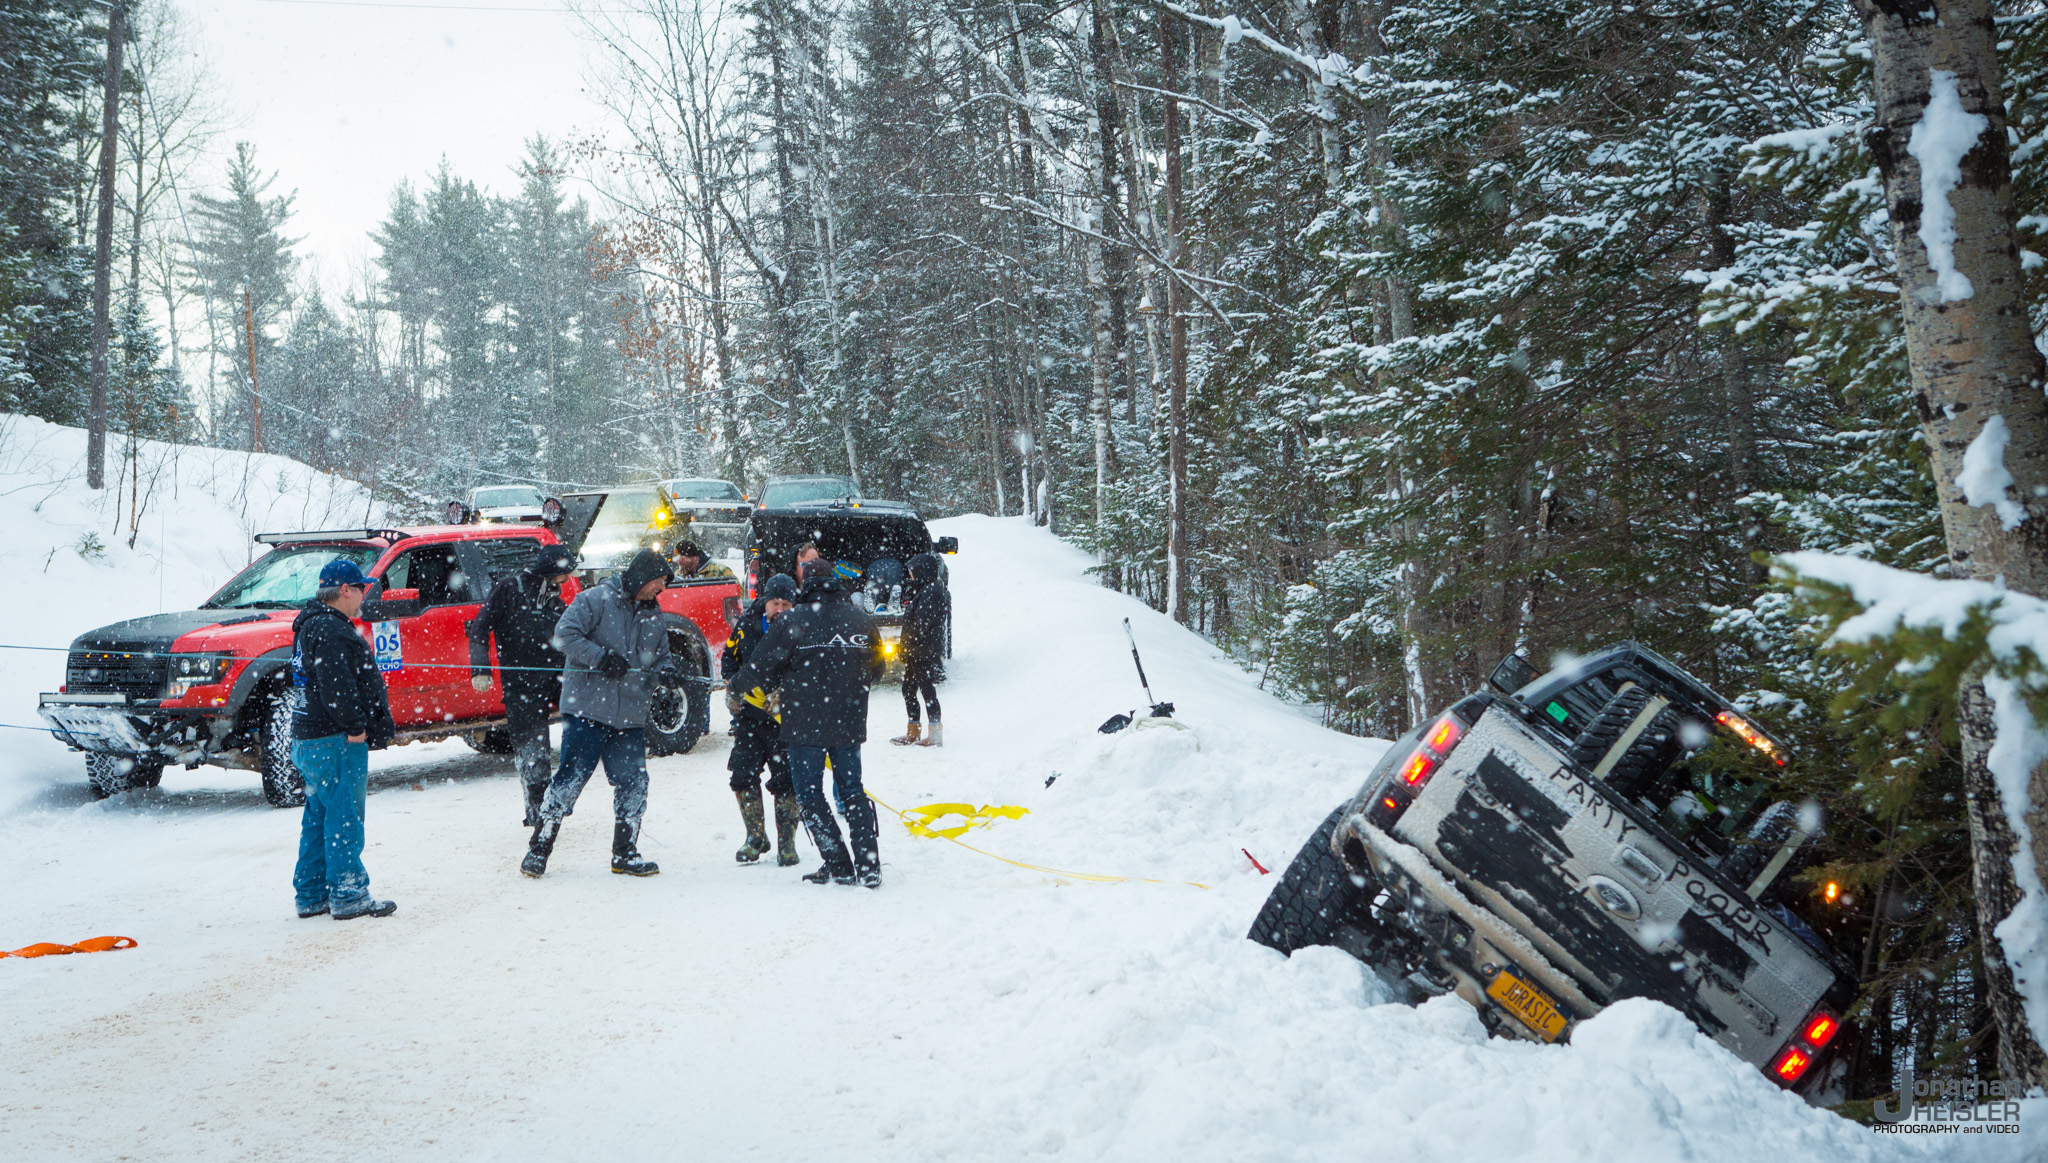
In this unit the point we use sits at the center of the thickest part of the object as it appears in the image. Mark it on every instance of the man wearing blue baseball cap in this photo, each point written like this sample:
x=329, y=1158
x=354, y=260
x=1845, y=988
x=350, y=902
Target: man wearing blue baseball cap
x=344, y=714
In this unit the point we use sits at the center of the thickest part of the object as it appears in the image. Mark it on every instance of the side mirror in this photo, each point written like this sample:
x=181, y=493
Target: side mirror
x=551, y=512
x=1513, y=673
x=733, y=610
x=946, y=545
x=459, y=513
x=392, y=604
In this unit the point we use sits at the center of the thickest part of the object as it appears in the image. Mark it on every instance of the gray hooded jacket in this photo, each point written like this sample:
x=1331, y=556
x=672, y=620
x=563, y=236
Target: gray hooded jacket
x=605, y=619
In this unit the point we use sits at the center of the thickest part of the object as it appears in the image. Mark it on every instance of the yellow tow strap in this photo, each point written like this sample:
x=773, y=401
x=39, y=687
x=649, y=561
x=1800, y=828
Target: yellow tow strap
x=919, y=821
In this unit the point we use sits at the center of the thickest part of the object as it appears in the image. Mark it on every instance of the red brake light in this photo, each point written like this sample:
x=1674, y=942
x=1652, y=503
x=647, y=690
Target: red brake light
x=1820, y=1029
x=1791, y=1064
x=1444, y=736
x=1417, y=768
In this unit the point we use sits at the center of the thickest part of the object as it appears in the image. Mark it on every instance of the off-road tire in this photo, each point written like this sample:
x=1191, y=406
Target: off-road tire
x=1318, y=902
x=109, y=774
x=1645, y=759
x=676, y=715
x=284, y=785
x=494, y=741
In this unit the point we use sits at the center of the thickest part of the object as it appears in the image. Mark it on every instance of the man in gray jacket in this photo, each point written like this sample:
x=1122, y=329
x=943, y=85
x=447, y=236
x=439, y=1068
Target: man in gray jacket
x=615, y=644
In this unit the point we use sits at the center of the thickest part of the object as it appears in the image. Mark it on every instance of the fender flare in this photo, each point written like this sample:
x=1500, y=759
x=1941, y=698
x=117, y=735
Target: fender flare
x=676, y=625
x=262, y=670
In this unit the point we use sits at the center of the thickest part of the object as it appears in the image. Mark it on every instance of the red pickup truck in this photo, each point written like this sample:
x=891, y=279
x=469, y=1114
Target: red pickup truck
x=212, y=685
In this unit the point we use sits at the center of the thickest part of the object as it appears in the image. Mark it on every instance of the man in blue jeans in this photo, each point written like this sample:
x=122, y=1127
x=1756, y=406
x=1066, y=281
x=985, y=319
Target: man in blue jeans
x=345, y=712
x=616, y=645
x=823, y=655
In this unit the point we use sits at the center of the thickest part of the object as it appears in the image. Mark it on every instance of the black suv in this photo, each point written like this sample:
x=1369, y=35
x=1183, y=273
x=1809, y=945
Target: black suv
x=1559, y=842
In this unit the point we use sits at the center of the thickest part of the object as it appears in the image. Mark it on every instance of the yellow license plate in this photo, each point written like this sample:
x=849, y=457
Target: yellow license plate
x=1528, y=1004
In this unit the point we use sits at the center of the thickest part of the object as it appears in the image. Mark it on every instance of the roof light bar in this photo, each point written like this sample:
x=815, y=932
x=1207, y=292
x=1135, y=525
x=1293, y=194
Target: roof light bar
x=330, y=535
x=1748, y=733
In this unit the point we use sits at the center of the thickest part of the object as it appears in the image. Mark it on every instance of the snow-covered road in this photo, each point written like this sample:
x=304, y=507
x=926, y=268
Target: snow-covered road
x=968, y=1010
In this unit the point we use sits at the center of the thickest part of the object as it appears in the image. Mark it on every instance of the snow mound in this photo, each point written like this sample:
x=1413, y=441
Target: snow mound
x=189, y=512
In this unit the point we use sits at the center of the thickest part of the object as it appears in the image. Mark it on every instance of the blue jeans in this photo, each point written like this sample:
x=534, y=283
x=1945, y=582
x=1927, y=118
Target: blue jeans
x=807, y=771
x=624, y=751
x=330, y=867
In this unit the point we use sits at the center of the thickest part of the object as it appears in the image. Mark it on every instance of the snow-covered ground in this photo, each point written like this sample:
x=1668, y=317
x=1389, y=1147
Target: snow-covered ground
x=970, y=1009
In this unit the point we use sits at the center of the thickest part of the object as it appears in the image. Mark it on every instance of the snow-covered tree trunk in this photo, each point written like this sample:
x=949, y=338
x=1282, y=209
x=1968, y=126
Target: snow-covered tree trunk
x=1940, y=141
x=1177, y=337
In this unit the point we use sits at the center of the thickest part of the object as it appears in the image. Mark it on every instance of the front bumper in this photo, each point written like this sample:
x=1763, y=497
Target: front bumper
x=119, y=725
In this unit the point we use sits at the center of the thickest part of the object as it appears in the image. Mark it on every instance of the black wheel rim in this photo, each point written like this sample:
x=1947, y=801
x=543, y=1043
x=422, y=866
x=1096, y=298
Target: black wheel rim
x=667, y=710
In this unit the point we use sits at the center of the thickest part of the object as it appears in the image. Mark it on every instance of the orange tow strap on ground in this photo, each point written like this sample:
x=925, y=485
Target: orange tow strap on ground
x=89, y=945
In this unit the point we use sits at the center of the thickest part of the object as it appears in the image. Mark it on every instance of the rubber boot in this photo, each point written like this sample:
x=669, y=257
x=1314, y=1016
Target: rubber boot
x=936, y=738
x=540, y=847
x=785, y=831
x=908, y=737
x=757, y=831
x=626, y=858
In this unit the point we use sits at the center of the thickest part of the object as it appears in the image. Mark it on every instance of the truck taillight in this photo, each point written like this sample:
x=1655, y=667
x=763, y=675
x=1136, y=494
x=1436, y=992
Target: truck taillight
x=1820, y=1029
x=1791, y=1064
x=1436, y=745
x=1814, y=1034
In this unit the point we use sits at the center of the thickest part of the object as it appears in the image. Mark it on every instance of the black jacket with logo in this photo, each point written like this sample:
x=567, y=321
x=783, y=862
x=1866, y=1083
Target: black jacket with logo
x=823, y=655
x=344, y=693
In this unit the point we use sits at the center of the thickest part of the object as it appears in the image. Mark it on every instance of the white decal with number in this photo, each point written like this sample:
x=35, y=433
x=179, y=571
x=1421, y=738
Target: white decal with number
x=390, y=650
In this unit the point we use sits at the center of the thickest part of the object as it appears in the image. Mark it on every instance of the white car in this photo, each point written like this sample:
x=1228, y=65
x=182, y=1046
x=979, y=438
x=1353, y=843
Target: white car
x=505, y=503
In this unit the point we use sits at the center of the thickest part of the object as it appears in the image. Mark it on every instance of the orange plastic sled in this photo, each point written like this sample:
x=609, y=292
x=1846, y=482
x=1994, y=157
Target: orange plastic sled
x=89, y=945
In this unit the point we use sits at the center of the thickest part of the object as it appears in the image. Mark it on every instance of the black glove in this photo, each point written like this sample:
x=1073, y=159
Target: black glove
x=613, y=665
x=672, y=673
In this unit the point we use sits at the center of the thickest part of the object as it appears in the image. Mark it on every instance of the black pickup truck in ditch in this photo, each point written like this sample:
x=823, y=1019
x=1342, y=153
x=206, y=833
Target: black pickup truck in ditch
x=1561, y=841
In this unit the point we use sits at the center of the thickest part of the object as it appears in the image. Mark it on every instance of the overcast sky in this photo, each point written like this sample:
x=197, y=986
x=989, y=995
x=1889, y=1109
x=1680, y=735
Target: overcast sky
x=344, y=98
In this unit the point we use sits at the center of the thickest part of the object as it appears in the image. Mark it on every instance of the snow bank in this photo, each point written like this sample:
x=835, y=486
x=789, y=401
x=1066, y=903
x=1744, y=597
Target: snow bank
x=1894, y=598
x=191, y=512
x=1941, y=138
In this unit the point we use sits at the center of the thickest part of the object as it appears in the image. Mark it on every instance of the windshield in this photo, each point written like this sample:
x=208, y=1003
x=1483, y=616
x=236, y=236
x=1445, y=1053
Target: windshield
x=628, y=522
x=795, y=492
x=286, y=576
x=704, y=491
x=506, y=496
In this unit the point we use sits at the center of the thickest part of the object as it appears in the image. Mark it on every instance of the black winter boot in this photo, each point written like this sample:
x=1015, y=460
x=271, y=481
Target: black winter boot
x=757, y=831
x=626, y=858
x=540, y=847
x=824, y=874
x=785, y=831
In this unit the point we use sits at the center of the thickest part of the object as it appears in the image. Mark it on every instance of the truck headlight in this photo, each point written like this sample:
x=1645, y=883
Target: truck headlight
x=196, y=670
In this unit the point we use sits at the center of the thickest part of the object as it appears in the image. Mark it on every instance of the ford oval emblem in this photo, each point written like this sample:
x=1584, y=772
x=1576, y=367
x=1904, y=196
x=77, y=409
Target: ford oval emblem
x=1614, y=898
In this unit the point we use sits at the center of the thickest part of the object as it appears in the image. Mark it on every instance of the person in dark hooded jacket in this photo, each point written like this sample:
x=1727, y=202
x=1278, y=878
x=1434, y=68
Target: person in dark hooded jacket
x=821, y=657
x=757, y=732
x=521, y=613
x=617, y=647
x=927, y=610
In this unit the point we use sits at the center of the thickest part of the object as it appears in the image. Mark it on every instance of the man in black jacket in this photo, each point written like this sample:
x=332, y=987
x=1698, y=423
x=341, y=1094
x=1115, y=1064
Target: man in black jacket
x=822, y=657
x=521, y=613
x=344, y=714
x=757, y=733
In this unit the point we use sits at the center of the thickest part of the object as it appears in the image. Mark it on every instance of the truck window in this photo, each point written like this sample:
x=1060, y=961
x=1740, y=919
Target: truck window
x=431, y=570
x=286, y=576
